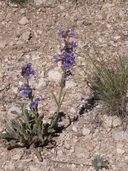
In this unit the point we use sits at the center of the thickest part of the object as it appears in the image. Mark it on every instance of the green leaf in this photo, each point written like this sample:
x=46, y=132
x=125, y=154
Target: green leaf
x=38, y=155
x=41, y=138
x=50, y=146
x=26, y=114
x=55, y=98
x=16, y=113
x=51, y=130
x=53, y=120
x=7, y=136
x=63, y=98
x=34, y=138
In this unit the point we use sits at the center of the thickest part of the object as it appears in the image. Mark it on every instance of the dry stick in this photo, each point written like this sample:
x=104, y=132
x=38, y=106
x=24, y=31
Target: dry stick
x=70, y=162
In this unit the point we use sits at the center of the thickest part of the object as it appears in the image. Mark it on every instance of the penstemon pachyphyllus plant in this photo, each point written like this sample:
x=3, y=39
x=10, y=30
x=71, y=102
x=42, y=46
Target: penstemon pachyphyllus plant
x=28, y=129
x=67, y=60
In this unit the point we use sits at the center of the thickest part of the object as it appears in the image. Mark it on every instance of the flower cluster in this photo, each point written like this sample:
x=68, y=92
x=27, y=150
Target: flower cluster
x=67, y=56
x=27, y=90
x=34, y=104
x=26, y=71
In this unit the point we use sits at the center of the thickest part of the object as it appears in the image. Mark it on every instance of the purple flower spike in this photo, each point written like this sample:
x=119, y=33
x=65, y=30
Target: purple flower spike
x=35, y=103
x=73, y=34
x=27, y=70
x=67, y=57
x=26, y=88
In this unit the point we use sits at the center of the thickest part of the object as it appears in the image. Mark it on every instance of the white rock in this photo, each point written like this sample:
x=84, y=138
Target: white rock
x=120, y=151
x=22, y=11
x=25, y=36
x=35, y=57
x=2, y=45
x=73, y=110
x=116, y=37
x=74, y=128
x=54, y=76
x=70, y=84
x=16, y=157
x=14, y=89
x=23, y=21
x=108, y=5
x=13, y=116
x=41, y=84
x=42, y=74
x=38, y=2
x=85, y=131
x=116, y=122
x=6, y=60
x=120, y=136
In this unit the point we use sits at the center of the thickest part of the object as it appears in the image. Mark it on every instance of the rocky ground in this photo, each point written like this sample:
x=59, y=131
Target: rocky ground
x=29, y=33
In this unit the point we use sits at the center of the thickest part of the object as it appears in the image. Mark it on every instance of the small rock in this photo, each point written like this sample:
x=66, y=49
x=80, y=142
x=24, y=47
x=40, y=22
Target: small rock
x=22, y=11
x=108, y=5
x=13, y=116
x=25, y=36
x=74, y=129
x=41, y=84
x=54, y=76
x=120, y=151
x=2, y=45
x=63, y=169
x=85, y=131
x=116, y=122
x=38, y=2
x=16, y=157
x=14, y=89
x=35, y=57
x=23, y=21
x=120, y=136
x=6, y=60
x=108, y=121
x=42, y=74
x=70, y=84
x=73, y=110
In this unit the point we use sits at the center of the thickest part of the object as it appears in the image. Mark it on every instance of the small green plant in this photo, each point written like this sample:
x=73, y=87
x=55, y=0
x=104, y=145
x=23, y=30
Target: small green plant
x=29, y=129
x=110, y=84
x=99, y=163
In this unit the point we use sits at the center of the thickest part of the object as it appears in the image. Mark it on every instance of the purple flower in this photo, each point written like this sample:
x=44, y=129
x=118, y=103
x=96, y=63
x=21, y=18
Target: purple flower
x=27, y=70
x=57, y=60
x=26, y=92
x=61, y=32
x=73, y=44
x=73, y=34
x=34, y=104
x=26, y=88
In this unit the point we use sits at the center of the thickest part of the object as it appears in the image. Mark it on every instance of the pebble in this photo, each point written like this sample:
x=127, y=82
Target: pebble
x=74, y=128
x=85, y=131
x=116, y=122
x=120, y=151
x=54, y=76
x=41, y=84
x=120, y=136
x=25, y=36
x=70, y=84
x=23, y=21
x=16, y=157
